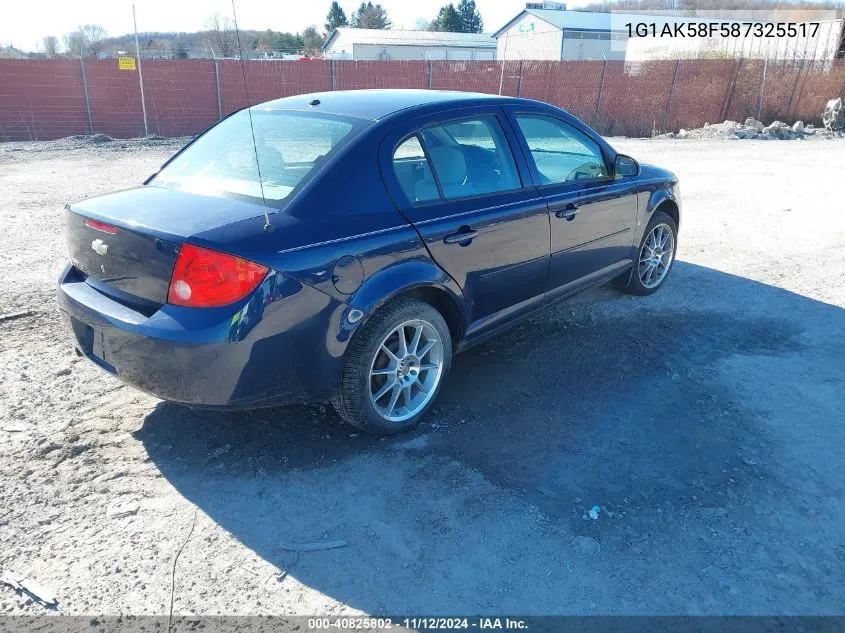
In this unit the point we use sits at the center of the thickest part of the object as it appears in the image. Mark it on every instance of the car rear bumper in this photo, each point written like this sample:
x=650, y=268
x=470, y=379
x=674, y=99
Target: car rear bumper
x=284, y=343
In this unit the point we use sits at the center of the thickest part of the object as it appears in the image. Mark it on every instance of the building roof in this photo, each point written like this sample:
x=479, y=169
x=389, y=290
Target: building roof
x=10, y=52
x=590, y=21
x=376, y=104
x=396, y=37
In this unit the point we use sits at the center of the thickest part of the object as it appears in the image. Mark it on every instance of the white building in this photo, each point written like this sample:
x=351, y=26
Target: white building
x=393, y=44
x=557, y=34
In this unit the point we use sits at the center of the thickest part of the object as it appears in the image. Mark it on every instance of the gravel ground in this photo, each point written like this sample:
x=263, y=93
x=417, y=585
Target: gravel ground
x=705, y=422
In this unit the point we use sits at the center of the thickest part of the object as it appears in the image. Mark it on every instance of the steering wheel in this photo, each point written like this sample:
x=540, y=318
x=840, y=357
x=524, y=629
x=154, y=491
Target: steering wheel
x=584, y=171
x=270, y=159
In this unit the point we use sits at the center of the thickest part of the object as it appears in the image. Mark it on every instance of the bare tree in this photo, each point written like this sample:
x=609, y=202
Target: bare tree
x=51, y=46
x=221, y=35
x=94, y=35
x=86, y=41
x=75, y=44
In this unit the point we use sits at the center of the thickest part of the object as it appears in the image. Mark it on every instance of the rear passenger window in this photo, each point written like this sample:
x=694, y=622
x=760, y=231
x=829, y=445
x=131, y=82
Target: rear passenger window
x=414, y=172
x=471, y=157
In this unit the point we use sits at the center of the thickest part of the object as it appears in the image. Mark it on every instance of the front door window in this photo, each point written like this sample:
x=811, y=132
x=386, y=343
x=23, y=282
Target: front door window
x=561, y=153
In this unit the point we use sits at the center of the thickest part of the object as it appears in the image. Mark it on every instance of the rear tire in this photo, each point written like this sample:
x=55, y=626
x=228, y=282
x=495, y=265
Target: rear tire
x=655, y=257
x=388, y=384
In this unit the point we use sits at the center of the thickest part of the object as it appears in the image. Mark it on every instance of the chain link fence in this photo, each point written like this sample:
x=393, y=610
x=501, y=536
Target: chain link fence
x=48, y=99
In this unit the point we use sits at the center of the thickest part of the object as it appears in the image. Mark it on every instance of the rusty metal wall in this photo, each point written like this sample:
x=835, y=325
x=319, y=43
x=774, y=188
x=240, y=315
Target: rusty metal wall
x=47, y=99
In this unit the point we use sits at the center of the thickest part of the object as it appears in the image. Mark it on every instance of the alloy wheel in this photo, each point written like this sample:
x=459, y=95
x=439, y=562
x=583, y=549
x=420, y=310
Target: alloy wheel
x=656, y=256
x=406, y=370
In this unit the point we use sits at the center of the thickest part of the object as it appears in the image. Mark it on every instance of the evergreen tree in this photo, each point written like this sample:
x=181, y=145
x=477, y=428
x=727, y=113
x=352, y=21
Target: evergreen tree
x=312, y=42
x=289, y=43
x=335, y=18
x=448, y=20
x=470, y=18
x=370, y=16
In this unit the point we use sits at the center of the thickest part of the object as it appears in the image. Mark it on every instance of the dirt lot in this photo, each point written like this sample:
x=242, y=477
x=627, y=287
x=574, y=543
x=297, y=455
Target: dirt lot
x=706, y=422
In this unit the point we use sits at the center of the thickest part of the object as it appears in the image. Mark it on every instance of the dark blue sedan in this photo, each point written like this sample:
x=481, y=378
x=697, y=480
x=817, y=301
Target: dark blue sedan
x=343, y=246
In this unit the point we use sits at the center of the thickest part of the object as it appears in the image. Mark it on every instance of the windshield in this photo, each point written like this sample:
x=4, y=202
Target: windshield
x=291, y=147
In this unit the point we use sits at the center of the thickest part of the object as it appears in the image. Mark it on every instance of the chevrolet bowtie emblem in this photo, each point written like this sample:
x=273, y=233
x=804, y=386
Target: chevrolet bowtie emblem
x=99, y=247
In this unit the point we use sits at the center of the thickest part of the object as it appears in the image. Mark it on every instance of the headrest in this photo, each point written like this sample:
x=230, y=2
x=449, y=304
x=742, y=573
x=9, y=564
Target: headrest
x=425, y=190
x=450, y=164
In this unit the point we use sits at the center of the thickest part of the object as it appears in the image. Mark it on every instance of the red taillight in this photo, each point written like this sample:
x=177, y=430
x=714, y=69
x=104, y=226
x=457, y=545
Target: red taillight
x=101, y=226
x=203, y=278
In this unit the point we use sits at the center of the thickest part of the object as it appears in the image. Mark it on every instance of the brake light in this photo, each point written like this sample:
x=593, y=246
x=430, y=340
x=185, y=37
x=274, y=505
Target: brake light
x=203, y=278
x=101, y=226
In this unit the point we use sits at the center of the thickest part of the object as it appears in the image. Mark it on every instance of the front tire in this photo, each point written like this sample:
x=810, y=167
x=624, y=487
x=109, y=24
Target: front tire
x=395, y=367
x=655, y=257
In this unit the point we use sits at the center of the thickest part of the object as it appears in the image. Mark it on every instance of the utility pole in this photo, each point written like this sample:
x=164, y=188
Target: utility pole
x=504, y=60
x=140, y=74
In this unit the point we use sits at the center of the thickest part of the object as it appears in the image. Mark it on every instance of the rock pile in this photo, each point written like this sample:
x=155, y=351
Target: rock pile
x=751, y=129
x=834, y=115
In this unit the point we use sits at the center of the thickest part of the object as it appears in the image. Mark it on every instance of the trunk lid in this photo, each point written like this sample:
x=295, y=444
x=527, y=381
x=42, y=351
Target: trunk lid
x=135, y=261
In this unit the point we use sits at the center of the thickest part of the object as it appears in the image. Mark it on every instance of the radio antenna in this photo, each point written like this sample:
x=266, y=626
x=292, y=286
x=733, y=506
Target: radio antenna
x=267, y=226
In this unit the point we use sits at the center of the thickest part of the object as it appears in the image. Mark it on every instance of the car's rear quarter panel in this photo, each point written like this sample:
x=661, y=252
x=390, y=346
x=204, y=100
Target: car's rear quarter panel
x=284, y=343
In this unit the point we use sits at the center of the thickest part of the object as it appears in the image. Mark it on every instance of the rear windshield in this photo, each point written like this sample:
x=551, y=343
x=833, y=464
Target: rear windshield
x=291, y=147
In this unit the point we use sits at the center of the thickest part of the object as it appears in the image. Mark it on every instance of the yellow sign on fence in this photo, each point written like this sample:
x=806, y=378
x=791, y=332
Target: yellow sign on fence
x=126, y=63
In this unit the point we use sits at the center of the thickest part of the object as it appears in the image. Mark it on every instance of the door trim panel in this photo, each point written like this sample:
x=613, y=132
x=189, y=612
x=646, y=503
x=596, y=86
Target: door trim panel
x=499, y=320
x=582, y=283
x=492, y=207
x=591, y=242
x=494, y=324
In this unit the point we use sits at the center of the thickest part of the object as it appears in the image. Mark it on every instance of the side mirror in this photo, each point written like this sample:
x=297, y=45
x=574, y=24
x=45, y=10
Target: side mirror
x=626, y=166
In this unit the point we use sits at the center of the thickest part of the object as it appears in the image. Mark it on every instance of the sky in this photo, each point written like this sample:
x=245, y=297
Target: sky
x=25, y=24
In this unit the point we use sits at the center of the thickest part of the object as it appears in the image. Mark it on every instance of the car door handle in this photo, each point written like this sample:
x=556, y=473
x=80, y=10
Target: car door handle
x=569, y=212
x=463, y=236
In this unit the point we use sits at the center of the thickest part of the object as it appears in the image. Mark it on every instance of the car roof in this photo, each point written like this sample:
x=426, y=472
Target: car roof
x=373, y=105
